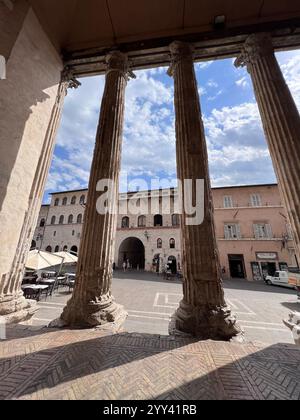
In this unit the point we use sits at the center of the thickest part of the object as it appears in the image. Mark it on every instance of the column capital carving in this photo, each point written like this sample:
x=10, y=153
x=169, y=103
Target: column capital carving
x=118, y=62
x=68, y=78
x=256, y=47
x=179, y=51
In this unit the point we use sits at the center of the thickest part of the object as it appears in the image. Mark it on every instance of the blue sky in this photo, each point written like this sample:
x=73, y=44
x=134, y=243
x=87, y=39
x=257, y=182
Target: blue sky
x=238, y=152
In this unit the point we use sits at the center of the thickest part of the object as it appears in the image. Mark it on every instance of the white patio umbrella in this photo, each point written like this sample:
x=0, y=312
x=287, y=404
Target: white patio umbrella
x=39, y=260
x=68, y=258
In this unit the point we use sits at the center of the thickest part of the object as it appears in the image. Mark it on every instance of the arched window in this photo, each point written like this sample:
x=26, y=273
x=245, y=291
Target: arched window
x=73, y=201
x=159, y=243
x=65, y=201
x=82, y=199
x=142, y=221
x=53, y=220
x=57, y=248
x=42, y=223
x=158, y=220
x=74, y=250
x=172, y=243
x=56, y=203
x=49, y=249
x=61, y=220
x=79, y=219
x=65, y=248
x=125, y=222
x=70, y=219
x=175, y=220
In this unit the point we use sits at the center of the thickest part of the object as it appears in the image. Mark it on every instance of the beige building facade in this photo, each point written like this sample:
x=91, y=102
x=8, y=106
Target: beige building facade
x=252, y=229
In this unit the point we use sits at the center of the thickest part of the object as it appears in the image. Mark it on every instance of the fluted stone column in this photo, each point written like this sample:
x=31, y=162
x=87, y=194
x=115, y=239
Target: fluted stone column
x=280, y=119
x=203, y=311
x=13, y=305
x=92, y=303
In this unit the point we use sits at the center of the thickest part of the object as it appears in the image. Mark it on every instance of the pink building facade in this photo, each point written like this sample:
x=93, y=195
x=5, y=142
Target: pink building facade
x=254, y=237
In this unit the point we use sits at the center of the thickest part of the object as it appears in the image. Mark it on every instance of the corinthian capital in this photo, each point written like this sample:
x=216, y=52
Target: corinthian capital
x=118, y=62
x=179, y=51
x=69, y=79
x=256, y=47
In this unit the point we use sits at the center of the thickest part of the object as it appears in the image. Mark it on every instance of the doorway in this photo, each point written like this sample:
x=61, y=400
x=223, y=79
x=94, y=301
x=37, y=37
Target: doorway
x=132, y=251
x=172, y=264
x=237, y=266
x=268, y=268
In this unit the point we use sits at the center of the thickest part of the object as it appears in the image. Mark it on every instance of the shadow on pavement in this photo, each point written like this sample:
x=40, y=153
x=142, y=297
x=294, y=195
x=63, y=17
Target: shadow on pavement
x=256, y=286
x=142, y=366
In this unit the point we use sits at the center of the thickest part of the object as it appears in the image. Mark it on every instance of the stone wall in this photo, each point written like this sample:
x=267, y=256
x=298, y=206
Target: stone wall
x=27, y=98
x=12, y=15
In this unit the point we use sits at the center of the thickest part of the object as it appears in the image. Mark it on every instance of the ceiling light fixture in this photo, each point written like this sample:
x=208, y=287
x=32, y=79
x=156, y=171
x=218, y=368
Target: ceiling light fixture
x=219, y=22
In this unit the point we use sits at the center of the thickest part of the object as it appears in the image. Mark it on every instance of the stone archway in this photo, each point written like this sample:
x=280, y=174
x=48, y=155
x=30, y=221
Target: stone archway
x=132, y=249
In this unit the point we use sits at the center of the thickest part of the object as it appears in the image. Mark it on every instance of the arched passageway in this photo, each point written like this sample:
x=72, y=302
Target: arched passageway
x=132, y=250
x=74, y=250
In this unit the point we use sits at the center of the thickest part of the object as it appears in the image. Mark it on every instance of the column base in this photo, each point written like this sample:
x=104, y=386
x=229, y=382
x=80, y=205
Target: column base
x=16, y=308
x=205, y=322
x=105, y=316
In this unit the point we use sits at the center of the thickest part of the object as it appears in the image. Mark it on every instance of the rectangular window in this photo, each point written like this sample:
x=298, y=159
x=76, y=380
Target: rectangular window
x=228, y=203
x=262, y=231
x=232, y=231
x=255, y=200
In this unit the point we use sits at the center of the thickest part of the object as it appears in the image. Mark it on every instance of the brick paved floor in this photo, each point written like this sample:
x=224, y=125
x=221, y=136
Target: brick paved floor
x=48, y=364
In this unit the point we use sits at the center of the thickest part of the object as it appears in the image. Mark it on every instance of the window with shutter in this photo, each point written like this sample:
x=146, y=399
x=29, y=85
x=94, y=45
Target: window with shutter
x=289, y=231
x=255, y=200
x=269, y=231
x=227, y=232
x=256, y=231
x=232, y=231
x=228, y=203
x=263, y=231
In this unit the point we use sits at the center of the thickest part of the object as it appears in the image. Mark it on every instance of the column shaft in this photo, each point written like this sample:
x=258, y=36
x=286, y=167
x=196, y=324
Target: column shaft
x=203, y=311
x=92, y=303
x=281, y=121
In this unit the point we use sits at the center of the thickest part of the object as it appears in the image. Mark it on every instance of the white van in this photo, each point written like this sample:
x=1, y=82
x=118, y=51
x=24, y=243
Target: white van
x=280, y=278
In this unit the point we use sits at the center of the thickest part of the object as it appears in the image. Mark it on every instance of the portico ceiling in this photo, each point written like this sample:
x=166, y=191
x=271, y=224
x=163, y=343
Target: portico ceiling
x=83, y=28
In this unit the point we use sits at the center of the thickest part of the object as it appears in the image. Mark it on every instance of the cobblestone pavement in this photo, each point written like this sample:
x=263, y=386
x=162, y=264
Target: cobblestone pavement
x=39, y=363
x=150, y=302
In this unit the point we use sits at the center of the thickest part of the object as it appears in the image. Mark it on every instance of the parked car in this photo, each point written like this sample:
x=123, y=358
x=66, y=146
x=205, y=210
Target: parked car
x=280, y=278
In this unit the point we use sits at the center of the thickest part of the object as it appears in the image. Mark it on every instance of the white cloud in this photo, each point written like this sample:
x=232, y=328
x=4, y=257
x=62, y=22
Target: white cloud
x=243, y=82
x=290, y=65
x=214, y=97
x=203, y=64
x=237, y=147
x=238, y=152
x=149, y=133
x=212, y=84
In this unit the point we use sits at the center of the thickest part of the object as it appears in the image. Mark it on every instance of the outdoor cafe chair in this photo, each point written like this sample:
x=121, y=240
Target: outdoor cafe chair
x=34, y=294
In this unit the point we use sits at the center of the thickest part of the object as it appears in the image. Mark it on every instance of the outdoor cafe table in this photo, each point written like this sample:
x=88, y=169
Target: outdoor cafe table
x=48, y=282
x=34, y=286
x=29, y=278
